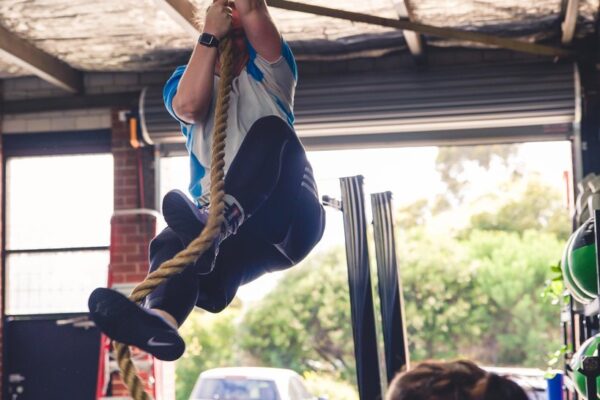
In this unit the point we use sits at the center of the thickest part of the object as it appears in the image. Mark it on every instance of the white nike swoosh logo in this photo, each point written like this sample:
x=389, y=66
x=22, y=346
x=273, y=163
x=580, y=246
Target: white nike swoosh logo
x=153, y=342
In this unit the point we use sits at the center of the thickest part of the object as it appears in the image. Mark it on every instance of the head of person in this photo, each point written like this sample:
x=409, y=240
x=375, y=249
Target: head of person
x=456, y=380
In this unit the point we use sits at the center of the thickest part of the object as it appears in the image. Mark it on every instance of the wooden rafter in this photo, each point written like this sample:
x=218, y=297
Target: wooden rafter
x=449, y=33
x=182, y=11
x=414, y=40
x=45, y=66
x=570, y=21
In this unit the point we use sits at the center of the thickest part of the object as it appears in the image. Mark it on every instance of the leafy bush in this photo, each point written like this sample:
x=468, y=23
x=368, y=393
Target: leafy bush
x=333, y=389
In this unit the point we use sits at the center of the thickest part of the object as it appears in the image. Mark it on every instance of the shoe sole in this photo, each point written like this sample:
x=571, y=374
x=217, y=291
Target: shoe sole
x=124, y=321
x=180, y=215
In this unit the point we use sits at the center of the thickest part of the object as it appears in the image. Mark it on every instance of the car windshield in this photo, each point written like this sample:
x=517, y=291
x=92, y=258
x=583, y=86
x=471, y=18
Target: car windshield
x=235, y=389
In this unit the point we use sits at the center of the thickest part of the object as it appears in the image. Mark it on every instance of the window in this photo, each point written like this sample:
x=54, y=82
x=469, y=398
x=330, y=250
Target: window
x=58, y=211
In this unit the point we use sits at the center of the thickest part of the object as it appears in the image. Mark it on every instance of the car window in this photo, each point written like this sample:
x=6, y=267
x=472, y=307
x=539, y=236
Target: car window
x=235, y=389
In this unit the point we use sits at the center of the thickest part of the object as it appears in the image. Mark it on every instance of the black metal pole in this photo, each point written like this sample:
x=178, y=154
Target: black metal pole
x=597, y=240
x=389, y=283
x=359, y=280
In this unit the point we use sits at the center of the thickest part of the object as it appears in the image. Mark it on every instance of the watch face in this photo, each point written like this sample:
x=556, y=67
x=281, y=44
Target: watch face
x=208, y=40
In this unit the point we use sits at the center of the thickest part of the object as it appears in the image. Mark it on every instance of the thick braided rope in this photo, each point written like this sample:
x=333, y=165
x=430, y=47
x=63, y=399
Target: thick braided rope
x=208, y=235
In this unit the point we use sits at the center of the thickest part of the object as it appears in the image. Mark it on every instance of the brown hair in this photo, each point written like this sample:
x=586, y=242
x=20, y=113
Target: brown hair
x=457, y=380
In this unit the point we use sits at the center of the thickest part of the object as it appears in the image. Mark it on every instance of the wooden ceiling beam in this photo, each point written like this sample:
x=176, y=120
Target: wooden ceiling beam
x=450, y=33
x=414, y=40
x=45, y=66
x=570, y=21
x=182, y=11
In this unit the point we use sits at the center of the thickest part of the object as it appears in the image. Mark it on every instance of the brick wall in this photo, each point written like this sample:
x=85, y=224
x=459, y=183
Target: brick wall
x=130, y=234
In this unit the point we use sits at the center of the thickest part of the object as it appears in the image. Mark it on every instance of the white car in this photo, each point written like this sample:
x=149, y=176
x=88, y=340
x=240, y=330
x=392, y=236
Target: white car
x=250, y=383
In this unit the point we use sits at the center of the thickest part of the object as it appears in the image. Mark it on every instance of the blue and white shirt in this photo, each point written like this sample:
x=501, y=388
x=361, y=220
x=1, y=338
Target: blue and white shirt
x=262, y=89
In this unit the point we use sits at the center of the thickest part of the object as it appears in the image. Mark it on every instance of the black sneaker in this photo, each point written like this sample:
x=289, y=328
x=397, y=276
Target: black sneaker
x=188, y=221
x=126, y=322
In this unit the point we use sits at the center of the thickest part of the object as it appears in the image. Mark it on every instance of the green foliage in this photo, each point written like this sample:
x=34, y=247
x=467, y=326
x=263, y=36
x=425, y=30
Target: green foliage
x=304, y=324
x=512, y=270
x=555, y=359
x=210, y=343
x=323, y=386
x=413, y=214
x=438, y=286
x=479, y=296
x=540, y=207
x=555, y=287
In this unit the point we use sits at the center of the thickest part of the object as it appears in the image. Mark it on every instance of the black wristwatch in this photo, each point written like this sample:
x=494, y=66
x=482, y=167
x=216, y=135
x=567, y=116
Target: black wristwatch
x=208, y=40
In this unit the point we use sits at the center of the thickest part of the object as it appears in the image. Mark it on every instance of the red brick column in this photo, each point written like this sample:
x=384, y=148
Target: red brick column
x=130, y=234
x=132, y=227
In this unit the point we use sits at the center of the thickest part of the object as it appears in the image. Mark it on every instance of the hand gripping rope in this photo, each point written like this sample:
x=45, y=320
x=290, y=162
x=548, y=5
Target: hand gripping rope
x=213, y=227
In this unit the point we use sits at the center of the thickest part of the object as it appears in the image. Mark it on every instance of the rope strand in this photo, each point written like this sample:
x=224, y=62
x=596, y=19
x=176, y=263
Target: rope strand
x=208, y=235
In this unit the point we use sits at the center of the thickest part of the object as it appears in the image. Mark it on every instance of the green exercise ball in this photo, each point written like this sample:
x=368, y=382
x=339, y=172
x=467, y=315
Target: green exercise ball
x=570, y=284
x=582, y=259
x=588, y=348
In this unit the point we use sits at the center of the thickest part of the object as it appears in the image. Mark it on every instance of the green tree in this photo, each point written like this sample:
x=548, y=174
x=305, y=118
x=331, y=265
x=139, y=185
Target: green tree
x=304, y=324
x=540, y=207
x=211, y=342
x=320, y=385
x=438, y=286
x=511, y=272
x=413, y=214
x=479, y=296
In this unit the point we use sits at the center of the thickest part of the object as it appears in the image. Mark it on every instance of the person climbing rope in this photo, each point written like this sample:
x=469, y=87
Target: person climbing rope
x=273, y=217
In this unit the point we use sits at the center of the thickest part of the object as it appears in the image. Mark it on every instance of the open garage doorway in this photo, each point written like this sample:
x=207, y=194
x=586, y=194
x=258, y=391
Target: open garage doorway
x=478, y=229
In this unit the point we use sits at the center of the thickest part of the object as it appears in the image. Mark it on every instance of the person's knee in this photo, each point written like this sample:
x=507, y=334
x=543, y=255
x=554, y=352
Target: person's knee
x=213, y=303
x=271, y=136
x=306, y=230
x=266, y=135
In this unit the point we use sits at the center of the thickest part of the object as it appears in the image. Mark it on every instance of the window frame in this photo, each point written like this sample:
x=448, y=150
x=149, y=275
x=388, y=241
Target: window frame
x=88, y=142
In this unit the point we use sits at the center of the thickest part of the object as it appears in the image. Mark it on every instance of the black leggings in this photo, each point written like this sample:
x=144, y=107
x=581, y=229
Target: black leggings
x=273, y=181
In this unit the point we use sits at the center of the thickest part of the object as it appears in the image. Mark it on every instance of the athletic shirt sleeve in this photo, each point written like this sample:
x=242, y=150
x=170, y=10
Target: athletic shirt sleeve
x=169, y=91
x=279, y=77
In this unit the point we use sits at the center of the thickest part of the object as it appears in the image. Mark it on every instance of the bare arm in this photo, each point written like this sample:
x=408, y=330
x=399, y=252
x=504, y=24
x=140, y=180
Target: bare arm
x=194, y=94
x=260, y=28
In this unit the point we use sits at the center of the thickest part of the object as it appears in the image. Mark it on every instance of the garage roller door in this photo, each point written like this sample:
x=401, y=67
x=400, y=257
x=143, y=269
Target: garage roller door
x=467, y=104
